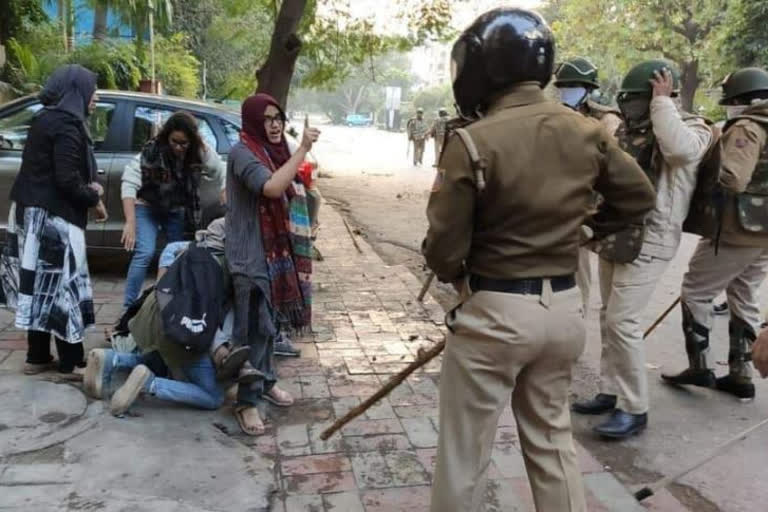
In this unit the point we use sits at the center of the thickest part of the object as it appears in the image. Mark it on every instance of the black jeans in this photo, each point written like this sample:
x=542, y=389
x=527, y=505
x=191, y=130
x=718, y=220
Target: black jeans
x=253, y=327
x=71, y=355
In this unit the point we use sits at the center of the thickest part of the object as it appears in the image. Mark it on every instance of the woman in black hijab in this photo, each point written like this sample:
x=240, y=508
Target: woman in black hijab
x=44, y=269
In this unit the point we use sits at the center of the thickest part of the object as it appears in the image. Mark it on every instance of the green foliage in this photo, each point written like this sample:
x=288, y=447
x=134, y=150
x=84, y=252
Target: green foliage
x=25, y=69
x=176, y=67
x=618, y=33
x=17, y=15
x=433, y=98
x=745, y=39
x=115, y=64
x=233, y=46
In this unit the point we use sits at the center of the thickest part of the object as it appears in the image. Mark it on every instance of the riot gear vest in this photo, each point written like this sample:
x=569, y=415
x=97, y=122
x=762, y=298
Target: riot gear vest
x=641, y=145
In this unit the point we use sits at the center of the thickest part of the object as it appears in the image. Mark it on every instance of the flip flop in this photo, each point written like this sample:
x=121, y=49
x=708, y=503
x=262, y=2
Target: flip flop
x=248, y=430
x=232, y=363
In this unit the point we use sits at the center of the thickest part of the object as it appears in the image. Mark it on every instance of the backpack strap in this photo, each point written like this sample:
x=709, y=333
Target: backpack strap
x=479, y=165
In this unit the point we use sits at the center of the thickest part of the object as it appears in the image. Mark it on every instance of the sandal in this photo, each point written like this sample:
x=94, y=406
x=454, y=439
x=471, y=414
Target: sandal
x=278, y=397
x=249, y=430
x=228, y=366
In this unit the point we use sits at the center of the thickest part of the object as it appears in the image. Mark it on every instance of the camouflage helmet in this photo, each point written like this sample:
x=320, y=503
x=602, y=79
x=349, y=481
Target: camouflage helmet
x=638, y=79
x=419, y=110
x=576, y=71
x=743, y=82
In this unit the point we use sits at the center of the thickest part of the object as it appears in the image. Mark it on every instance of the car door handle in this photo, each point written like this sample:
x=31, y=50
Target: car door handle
x=101, y=171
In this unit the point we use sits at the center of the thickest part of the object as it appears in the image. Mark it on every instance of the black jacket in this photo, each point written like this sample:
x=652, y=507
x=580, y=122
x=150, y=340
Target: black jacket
x=56, y=168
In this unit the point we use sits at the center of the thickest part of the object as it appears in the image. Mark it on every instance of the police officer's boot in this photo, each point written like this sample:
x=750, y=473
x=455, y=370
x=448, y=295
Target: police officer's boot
x=738, y=382
x=696, y=346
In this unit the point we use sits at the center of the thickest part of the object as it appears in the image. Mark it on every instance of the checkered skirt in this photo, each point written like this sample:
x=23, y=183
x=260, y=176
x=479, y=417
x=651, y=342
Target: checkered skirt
x=44, y=275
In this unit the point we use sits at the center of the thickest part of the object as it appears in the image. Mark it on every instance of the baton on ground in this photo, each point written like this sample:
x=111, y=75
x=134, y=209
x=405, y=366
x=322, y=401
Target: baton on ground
x=423, y=357
x=652, y=489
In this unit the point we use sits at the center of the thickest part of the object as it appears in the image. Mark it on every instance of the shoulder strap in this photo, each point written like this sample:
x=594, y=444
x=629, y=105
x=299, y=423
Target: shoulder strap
x=479, y=165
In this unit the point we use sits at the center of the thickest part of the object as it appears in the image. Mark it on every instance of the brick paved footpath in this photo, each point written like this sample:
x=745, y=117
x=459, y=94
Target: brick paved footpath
x=367, y=325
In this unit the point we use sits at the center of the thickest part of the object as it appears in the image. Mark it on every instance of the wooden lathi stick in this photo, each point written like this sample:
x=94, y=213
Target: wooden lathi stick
x=661, y=318
x=423, y=357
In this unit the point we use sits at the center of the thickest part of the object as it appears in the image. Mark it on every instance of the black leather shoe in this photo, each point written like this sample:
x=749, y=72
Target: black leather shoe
x=721, y=309
x=691, y=377
x=622, y=425
x=601, y=404
x=744, y=391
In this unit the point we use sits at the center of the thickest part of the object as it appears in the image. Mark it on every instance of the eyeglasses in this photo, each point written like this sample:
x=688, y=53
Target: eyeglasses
x=179, y=144
x=268, y=120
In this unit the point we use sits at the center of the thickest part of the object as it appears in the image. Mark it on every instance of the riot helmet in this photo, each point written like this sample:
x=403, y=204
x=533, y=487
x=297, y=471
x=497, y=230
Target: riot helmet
x=743, y=86
x=501, y=48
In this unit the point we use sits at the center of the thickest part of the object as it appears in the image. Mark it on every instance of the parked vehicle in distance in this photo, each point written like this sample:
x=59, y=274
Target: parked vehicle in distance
x=358, y=120
x=120, y=126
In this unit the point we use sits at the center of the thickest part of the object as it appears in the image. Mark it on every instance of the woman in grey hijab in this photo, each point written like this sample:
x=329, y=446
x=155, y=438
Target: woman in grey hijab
x=44, y=271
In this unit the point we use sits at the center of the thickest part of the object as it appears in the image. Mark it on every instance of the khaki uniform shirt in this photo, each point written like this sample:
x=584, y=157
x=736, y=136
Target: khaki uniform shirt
x=544, y=163
x=417, y=129
x=742, y=145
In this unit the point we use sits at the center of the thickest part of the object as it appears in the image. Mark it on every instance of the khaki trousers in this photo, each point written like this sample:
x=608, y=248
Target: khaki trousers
x=626, y=290
x=418, y=151
x=738, y=270
x=438, y=149
x=503, y=345
x=584, y=278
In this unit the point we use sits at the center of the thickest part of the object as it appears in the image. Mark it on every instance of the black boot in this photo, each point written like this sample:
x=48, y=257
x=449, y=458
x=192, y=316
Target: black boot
x=696, y=346
x=602, y=403
x=738, y=382
x=622, y=425
x=691, y=377
x=742, y=390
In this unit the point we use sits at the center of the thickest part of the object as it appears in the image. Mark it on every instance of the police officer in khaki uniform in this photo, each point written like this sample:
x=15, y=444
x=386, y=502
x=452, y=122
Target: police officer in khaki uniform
x=739, y=262
x=576, y=81
x=511, y=249
x=669, y=145
x=418, y=131
x=437, y=132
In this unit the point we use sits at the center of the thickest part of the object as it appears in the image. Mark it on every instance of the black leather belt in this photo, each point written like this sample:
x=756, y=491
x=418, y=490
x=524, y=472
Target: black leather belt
x=529, y=286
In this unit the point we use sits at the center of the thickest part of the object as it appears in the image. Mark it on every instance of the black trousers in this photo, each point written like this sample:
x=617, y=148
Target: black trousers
x=71, y=355
x=247, y=331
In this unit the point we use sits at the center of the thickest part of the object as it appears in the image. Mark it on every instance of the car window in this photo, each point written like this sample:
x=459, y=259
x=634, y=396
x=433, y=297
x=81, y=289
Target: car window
x=232, y=132
x=14, y=127
x=98, y=123
x=148, y=121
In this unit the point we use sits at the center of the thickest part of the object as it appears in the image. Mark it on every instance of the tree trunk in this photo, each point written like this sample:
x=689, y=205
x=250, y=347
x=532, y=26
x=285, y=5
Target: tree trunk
x=70, y=25
x=689, y=82
x=61, y=6
x=275, y=75
x=101, y=9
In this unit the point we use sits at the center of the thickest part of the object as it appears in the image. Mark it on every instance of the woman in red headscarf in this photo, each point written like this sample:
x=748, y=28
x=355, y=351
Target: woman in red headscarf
x=267, y=275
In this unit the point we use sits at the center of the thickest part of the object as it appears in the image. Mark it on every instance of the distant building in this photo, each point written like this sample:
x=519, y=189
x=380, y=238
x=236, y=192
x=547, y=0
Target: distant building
x=84, y=15
x=432, y=64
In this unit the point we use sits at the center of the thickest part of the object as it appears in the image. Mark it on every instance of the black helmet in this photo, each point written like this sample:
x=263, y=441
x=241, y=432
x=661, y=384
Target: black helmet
x=746, y=82
x=576, y=71
x=502, y=47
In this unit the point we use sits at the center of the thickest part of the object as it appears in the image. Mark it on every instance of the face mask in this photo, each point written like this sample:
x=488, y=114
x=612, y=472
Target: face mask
x=732, y=111
x=573, y=96
x=635, y=110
